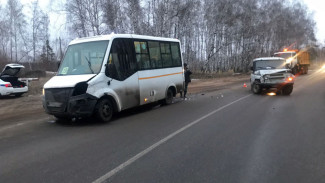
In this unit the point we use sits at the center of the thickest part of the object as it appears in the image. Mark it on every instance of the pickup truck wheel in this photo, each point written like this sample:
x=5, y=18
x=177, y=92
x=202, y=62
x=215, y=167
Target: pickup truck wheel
x=104, y=110
x=287, y=90
x=256, y=89
x=62, y=118
x=294, y=71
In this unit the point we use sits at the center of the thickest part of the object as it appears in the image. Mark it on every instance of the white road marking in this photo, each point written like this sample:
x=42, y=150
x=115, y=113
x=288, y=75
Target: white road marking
x=160, y=142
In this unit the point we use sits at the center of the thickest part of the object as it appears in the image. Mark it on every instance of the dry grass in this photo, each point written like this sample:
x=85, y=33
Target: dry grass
x=36, y=87
x=212, y=84
x=212, y=75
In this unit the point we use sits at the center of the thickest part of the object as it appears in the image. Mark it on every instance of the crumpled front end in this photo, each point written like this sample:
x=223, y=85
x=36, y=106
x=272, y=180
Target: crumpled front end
x=276, y=80
x=62, y=102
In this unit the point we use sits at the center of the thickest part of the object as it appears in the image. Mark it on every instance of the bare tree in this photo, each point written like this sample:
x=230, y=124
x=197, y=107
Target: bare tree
x=216, y=36
x=40, y=23
x=115, y=16
x=16, y=24
x=85, y=16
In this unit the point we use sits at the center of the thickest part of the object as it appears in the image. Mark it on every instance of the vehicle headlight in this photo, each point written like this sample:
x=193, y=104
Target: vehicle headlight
x=80, y=88
x=257, y=73
x=290, y=77
x=289, y=60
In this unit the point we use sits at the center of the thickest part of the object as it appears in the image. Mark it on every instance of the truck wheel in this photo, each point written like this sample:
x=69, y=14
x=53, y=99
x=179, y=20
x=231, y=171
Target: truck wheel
x=302, y=71
x=306, y=69
x=256, y=89
x=104, y=110
x=169, y=97
x=287, y=90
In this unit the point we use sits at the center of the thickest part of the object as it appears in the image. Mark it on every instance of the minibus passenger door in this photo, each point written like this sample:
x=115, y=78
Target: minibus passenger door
x=122, y=69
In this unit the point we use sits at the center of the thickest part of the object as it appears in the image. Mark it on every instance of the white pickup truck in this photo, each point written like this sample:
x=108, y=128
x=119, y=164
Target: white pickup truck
x=271, y=73
x=9, y=83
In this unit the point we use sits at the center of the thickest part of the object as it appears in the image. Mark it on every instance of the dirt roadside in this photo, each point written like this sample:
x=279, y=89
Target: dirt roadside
x=29, y=106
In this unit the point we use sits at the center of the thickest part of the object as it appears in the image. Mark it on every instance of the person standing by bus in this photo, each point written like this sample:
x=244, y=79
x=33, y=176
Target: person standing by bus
x=187, y=74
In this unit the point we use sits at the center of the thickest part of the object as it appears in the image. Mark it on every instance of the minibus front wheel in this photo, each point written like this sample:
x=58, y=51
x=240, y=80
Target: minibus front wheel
x=104, y=110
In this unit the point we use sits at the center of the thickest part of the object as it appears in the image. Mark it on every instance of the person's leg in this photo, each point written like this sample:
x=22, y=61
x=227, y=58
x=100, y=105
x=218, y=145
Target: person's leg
x=185, y=89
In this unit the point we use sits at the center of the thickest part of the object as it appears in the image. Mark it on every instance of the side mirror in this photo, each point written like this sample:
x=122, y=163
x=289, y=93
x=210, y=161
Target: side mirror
x=252, y=69
x=59, y=63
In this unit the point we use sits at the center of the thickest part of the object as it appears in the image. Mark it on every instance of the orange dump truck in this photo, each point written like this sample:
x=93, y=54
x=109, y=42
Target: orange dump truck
x=297, y=61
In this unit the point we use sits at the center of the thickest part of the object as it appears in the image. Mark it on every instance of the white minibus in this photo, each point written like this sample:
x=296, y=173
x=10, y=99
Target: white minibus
x=101, y=75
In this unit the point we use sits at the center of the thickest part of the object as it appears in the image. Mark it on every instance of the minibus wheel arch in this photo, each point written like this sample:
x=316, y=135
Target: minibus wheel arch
x=170, y=93
x=105, y=108
x=109, y=97
x=173, y=90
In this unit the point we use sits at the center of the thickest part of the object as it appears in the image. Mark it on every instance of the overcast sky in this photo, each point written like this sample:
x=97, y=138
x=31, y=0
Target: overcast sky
x=318, y=6
x=57, y=20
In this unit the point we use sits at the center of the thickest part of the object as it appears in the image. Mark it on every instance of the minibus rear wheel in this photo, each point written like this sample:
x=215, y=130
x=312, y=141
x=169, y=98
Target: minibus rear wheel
x=169, y=97
x=104, y=110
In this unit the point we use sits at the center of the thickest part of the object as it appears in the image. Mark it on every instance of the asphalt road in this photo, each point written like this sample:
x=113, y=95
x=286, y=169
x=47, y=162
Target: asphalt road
x=228, y=135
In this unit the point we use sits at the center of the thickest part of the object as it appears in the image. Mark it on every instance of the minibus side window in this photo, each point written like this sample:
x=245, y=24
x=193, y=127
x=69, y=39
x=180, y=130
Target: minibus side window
x=121, y=63
x=142, y=54
x=166, y=54
x=176, y=54
x=155, y=57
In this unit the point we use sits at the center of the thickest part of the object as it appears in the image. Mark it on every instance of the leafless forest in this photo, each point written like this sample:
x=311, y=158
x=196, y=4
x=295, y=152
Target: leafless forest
x=216, y=35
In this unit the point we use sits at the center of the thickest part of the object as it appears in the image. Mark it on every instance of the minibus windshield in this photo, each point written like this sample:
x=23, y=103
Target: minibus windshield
x=83, y=58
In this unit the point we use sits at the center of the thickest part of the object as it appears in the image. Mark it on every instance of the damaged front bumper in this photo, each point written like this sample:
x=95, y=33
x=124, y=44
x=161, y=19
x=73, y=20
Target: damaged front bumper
x=75, y=106
x=274, y=86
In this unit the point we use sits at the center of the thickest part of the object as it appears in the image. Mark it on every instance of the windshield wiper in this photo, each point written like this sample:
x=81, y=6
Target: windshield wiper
x=89, y=64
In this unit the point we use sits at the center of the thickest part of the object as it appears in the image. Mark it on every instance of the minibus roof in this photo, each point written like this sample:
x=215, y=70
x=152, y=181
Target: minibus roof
x=113, y=36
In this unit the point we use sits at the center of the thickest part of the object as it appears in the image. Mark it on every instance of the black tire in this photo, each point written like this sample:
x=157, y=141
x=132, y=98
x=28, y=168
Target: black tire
x=62, y=119
x=287, y=90
x=294, y=71
x=169, y=97
x=301, y=70
x=306, y=69
x=104, y=110
x=18, y=94
x=256, y=89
